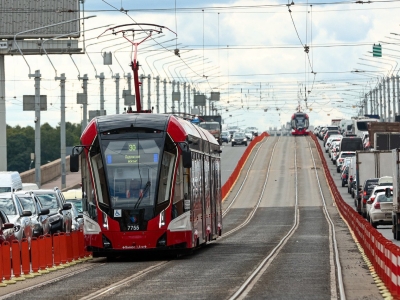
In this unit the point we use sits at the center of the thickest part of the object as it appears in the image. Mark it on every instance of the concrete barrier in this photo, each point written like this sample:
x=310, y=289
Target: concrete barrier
x=49, y=171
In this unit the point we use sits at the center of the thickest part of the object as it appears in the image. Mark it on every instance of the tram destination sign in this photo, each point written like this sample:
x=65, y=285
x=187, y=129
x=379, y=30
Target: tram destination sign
x=21, y=15
x=130, y=158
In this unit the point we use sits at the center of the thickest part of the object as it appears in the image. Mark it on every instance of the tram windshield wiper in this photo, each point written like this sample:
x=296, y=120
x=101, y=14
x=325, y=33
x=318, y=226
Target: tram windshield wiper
x=145, y=190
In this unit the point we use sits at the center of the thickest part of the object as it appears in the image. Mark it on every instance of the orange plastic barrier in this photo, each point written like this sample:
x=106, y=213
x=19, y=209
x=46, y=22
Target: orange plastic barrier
x=69, y=247
x=48, y=250
x=81, y=241
x=16, y=258
x=382, y=253
x=35, y=255
x=6, y=260
x=63, y=247
x=56, y=249
x=25, y=260
x=42, y=252
x=75, y=245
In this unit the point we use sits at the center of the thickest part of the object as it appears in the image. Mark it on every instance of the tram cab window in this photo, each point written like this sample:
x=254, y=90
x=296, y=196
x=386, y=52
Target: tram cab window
x=177, y=208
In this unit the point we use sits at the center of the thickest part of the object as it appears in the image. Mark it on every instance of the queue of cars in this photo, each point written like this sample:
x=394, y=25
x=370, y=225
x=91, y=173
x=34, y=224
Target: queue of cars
x=370, y=200
x=238, y=136
x=27, y=214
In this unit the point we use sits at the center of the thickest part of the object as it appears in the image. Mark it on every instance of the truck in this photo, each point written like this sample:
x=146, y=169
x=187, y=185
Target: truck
x=213, y=124
x=381, y=127
x=10, y=181
x=336, y=122
x=396, y=193
x=370, y=164
x=360, y=125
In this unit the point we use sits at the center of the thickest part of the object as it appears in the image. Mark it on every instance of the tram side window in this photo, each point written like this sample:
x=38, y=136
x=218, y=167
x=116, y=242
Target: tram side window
x=100, y=180
x=167, y=166
x=177, y=208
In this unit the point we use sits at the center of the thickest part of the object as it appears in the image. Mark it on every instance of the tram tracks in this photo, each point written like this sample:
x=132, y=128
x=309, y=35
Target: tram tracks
x=255, y=276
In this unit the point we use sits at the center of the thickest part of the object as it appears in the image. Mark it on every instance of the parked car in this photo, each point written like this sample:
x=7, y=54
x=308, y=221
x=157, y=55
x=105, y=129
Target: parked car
x=11, y=206
x=40, y=215
x=363, y=195
x=225, y=136
x=380, y=210
x=77, y=218
x=74, y=196
x=239, y=139
x=60, y=217
x=7, y=232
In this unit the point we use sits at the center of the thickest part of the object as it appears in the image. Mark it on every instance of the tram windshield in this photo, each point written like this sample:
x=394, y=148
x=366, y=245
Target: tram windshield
x=132, y=167
x=300, y=121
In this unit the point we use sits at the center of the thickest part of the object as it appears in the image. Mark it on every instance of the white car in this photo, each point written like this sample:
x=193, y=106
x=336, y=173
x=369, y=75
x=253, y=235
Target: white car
x=341, y=157
x=379, y=210
x=335, y=145
x=331, y=139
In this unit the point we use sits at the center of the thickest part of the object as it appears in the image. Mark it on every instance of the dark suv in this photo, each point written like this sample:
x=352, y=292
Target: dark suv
x=363, y=195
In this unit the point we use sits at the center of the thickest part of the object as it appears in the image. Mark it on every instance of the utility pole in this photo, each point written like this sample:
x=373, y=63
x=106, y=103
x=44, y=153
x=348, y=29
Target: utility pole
x=398, y=95
x=158, y=93
x=3, y=124
x=366, y=104
x=101, y=77
x=394, y=98
x=384, y=99
x=84, y=104
x=388, y=91
x=165, y=96
x=129, y=76
x=188, y=93
x=184, y=97
x=38, y=175
x=380, y=101
x=62, y=79
x=179, y=102
x=149, y=92
x=370, y=99
x=116, y=77
x=173, y=90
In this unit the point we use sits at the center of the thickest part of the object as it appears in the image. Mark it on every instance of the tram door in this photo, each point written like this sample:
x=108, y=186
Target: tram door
x=213, y=184
x=207, y=195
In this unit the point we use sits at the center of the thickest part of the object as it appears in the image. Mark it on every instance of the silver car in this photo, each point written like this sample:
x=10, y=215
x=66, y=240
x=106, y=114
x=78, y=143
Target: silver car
x=60, y=217
x=40, y=215
x=77, y=218
x=11, y=206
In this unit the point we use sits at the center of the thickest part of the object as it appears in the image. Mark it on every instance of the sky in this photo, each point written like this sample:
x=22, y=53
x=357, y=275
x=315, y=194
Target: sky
x=252, y=52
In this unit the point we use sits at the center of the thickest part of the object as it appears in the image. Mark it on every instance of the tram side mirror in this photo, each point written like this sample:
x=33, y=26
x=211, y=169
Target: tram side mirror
x=186, y=155
x=74, y=163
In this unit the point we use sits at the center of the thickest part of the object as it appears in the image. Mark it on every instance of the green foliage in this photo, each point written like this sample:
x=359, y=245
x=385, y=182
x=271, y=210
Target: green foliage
x=21, y=143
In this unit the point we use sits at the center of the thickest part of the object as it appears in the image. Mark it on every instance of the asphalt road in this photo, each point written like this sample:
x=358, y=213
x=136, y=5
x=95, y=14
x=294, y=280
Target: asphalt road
x=303, y=269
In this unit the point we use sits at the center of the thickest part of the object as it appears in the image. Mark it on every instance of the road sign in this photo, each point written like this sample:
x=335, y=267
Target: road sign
x=377, y=50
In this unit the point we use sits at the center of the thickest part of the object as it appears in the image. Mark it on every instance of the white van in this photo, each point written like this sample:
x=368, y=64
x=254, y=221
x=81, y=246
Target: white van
x=10, y=182
x=361, y=125
x=29, y=186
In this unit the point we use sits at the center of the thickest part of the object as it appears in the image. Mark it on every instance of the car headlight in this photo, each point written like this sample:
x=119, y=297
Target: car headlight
x=244, y=139
x=233, y=140
x=36, y=227
x=17, y=228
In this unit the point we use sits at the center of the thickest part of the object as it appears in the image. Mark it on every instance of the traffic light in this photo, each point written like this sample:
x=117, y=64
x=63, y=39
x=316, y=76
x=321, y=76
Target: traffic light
x=377, y=50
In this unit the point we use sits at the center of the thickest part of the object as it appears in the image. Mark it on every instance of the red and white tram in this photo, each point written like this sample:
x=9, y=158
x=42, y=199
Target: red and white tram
x=300, y=122
x=150, y=181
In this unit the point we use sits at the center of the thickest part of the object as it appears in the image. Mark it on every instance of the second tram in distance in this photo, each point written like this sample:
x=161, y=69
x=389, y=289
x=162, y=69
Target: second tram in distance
x=150, y=182
x=300, y=123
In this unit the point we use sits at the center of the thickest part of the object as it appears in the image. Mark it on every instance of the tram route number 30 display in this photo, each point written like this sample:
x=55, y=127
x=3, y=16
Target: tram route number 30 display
x=133, y=227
